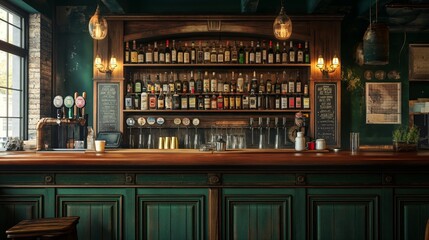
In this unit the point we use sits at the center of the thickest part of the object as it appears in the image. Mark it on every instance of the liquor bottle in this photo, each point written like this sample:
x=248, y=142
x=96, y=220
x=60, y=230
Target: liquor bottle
x=213, y=54
x=291, y=101
x=144, y=82
x=306, y=53
x=284, y=101
x=192, y=102
x=268, y=84
x=298, y=101
x=252, y=57
x=193, y=53
x=149, y=54
x=220, y=54
x=192, y=83
x=152, y=99
x=291, y=53
x=161, y=53
x=233, y=84
x=234, y=53
x=226, y=87
x=264, y=52
x=271, y=54
x=238, y=101
x=278, y=54
x=240, y=83
x=129, y=98
x=207, y=53
x=200, y=102
x=149, y=83
x=200, y=53
x=127, y=53
x=157, y=84
x=246, y=87
x=134, y=53
x=174, y=52
x=167, y=52
x=137, y=83
x=171, y=84
x=140, y=54
x=284, y=86
x=260, y=101
x=184, y=102
x=206, y=82
x=285, y=58
x=137, y=101
x=168, y=100
x=298, y=83
x=144, y=101
x=213, y=83
x=245, y=100
x=247, y=54
x=258, y=53
x=277, y=104
x=241, y=54
x=220, y=83
x=185, y=84
x=261, y=88
x=227, y=54
x=178, y=84
x=232, y=101
x=306, y=98
x=277, y=85
x=160, y=101
x=291, y=84
x=180, y=54
x=176, y=101
x=252, y=100
x=213, y=102
x=164, y=83
x=155, y=53
x=254, y=83
x=199, y=83
x=207, y=102
x=299, y=54
x=220, y=101
x=226, y=102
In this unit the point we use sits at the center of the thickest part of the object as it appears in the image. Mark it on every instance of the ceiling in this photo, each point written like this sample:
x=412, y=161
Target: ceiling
x=400, y=15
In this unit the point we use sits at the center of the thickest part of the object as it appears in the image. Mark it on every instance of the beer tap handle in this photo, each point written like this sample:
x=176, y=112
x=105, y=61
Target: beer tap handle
x=75, y=107
x=83, y=109
x=260, y=121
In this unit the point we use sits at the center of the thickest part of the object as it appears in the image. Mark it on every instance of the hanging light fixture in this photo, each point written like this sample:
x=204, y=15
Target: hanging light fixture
x=97, y=25
x=376, y=41
x=282, y=25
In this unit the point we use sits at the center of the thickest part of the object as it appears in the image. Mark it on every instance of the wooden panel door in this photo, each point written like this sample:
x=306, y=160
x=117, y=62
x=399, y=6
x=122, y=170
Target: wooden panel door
x=166, y=213
x=411, y=214
x=101, y=211
x=254, y=214
x=351, y=214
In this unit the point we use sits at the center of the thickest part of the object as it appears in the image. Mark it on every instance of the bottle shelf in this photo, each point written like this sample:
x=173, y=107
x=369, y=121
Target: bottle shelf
x=221, y=111
x=216, y=65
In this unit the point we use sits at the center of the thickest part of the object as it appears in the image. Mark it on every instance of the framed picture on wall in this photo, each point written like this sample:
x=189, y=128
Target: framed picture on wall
x=383, y=103
x=418, y=62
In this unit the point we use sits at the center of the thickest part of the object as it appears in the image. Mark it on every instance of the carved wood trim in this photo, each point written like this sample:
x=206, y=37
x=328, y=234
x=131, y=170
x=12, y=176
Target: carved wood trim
x=214, y=213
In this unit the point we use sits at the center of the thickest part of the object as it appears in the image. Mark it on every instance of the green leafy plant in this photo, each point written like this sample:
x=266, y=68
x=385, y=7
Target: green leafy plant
x=406, y=135
x=352, y=78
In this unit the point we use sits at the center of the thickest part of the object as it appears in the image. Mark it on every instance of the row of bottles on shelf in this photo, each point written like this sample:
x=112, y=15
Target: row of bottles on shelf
x=232, y=52
x=211, y=92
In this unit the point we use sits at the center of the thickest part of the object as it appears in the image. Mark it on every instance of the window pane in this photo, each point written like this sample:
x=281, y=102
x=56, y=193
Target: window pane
x=3, y=103
x=3, y=31
x=15, y=72
x=14, y=127
x=3, y=14
x=3, y=127
x=15, y=20
x=15, y=36
x=14, y=104
x=3, y=70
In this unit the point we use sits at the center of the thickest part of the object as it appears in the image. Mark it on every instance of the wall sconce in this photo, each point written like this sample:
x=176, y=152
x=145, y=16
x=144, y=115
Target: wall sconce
x=327, y=69
x=101, y=68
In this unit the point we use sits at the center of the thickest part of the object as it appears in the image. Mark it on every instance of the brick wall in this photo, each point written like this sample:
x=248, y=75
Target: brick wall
x=40, y=71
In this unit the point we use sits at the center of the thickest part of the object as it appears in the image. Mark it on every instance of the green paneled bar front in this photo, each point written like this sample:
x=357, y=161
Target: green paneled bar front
x=127, y=194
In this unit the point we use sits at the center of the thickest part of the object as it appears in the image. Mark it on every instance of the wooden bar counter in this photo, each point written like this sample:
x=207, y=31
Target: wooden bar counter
x=251, y=194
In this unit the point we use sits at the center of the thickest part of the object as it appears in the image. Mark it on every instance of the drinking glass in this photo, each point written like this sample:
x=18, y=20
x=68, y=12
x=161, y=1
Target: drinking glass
x=354, y=142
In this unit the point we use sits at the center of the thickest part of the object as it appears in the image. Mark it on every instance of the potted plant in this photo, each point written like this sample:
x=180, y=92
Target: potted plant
x=406, y=139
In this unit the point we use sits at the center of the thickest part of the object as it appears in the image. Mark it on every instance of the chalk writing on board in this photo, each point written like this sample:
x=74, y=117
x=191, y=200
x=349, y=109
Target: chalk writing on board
x=108, y=107
x=326, y=114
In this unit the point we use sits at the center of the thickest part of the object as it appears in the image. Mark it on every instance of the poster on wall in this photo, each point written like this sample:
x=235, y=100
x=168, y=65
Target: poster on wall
x=418, y=62
x=383, y=103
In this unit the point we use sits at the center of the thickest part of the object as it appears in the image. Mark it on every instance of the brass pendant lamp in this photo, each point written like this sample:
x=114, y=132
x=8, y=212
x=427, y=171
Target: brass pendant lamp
x=282, y=26
x=376, y=41
x=97, y=25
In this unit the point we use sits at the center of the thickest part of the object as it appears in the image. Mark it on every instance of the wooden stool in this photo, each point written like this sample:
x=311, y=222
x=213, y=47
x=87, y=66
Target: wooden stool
x=45, y=228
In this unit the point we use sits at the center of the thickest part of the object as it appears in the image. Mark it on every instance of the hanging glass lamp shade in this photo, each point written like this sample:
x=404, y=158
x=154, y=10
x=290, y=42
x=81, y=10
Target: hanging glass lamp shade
x=97, y=25
x=376, y=44
x=282, y=26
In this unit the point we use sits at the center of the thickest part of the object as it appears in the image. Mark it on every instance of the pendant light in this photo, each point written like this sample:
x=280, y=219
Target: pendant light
x=282, y=25
x=376, y=41
x=97, y=25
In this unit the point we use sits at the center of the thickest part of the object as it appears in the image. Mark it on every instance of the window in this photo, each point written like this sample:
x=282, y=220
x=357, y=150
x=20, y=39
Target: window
x=13, y=58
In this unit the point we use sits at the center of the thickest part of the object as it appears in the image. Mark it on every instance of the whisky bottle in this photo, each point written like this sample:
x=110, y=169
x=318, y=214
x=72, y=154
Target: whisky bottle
x=140, y=54
x=199, y=83
x=149, y=54
x=157, y=84
x=220, y=83
x=171, y=84
x=284, y=85
x=200, y=102
x=161, y=53
x=278, y=54
x=226, y=102
x=277, y=104
x=155, y=53
x=245, y=100
x=299, y=54
x=252, y=100
x=167, y=52
x=258, y=53
x=213, y=54
x=168, y=100
x=261, y=88
x=180, y=54
x=136, y=101
x=193, y=54
x=291, y=53
x=226, y=86
x=291, y=84
x=298, y=84
x=213, y=102
x=129, y=98
x=144, y=82
x=233, y=83
x=238, y=101
x=185, y=84
x=200, y=53
x=227, y=54
x=264, y=52
x=149, y=83
x=252, y=57
x=240, y=83
x=220, y=54
x=285, y=58
x=260, y=101
x=213, y=83
x=284, y=101
x=192, y=102
x=232, y=101
x=144, y=101
x=184, y=102
x=134, y=53
x=192, y=83
x=207, y=53
x=241, y=54
x=174, y=52
x=152, y=99
x=207, y=102
x=306, y=98
x=271, y=53
x=176, y=101
x=306, y=53
x=164, y=84
x=160, y=101
x=277, y=85
x=268, y=84
x=254, y=83
x=206, y=82
x=234, y=53
x=178, y=85
x=127, y=53
x=220, y=101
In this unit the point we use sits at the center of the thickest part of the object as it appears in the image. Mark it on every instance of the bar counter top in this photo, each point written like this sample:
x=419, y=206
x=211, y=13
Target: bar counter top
x=181, y=158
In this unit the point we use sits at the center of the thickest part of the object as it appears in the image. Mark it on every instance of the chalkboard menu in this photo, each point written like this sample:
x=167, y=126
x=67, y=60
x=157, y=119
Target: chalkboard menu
x=108, y=107
x=326, y=119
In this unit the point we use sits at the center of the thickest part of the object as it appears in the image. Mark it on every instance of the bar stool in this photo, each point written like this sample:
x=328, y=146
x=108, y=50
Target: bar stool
x=63, y=228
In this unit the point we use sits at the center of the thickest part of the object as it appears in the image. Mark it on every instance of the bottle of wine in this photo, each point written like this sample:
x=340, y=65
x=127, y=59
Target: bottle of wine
x=298, y=84
x=306, y=98
x=241, y=54
x=178, y=84
x=213, y=54
x=220, y=83
x=174, y=52
x=213, y=83
x=127, y=53
x=164, y=83
x=258, y=53
x=220, y=101
x=207, y=102
x=193, y=53
x=285, y=58
x=155, y=53
x=306, y=53
x=268, y=84
x=261, y=88
x=252, y=57
x=171, y=84
x=264, y=52
x=284, y=85
x=240, y=83
x=300, y=54
x=192, y=83
x=271, y=54
x=137, y=83
x=129, y=103
x=199, y=83
x=134, y=53
x=167, y=51
x=291, y=53
x=234, y=53
x=180, y=53
x=168, y=100
x=207, y=53
x=185, y=84
x=161, y=53
x=220, y=54
x=192, y=102
x=157, y=84
x=206, y=82
x=278, y=54
x=200, y=53
x=227, y=54
x=176, y=101
x=184, y=101
x=140, y=54
x=213, y=102
x=186, y=54
x=149, y=54
x=252, y=100
x=254, y=83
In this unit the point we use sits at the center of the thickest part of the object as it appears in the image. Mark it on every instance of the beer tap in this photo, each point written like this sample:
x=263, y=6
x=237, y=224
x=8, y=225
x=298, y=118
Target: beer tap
x=130, y=123
x=268, y=132
x=277, y=137
x=285, y=135
x=251, y=130
x=261, y=134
